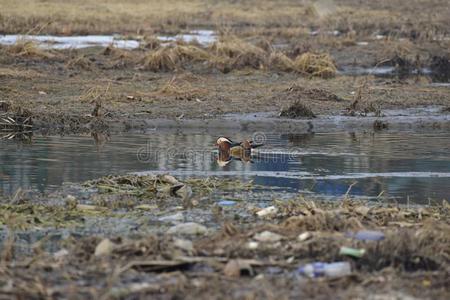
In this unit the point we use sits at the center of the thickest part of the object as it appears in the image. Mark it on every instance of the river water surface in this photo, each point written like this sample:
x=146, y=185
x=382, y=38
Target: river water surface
x=397, y=166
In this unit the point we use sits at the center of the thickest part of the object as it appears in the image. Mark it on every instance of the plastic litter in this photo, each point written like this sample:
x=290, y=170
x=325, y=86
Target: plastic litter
x=226, y=203
x=321, y=269
x=352, y=252
x=367, y=235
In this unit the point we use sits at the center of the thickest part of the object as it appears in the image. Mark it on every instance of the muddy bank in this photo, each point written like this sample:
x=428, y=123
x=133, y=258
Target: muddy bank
x=401, y=120
x=181, y=242
x=93, y=88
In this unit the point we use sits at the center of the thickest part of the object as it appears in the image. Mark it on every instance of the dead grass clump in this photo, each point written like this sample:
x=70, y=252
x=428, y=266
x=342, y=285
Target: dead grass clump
x=81, y=62
x=189, y=53
x=24, y=48
x=16, y=73
x=426, y=248
x=172, y=58
x=151, y=43
x=182, y=90
x=280, y=62
x=119, y=57
x=233, y=53
x=163, y=59
x=402, y=55
x=321, y=65
x=15, y=123
x=440, y=66
x=297, y=91
x=297, y=110
x=95, y=94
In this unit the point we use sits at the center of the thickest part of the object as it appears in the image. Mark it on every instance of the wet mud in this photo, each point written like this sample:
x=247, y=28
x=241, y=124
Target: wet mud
x=151, y=239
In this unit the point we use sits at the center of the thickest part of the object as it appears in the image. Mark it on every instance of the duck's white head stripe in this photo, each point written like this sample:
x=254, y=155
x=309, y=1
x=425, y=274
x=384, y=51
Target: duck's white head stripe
x=223, y=140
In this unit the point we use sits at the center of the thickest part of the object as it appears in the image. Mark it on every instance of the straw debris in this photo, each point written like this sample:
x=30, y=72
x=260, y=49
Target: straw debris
x=320, y=65
x=232, y=53
x=280, y=62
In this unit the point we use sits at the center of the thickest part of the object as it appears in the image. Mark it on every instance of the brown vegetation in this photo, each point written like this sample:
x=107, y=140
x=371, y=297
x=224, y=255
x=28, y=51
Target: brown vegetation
x=297, y=110
x=231, y=259
x=24, y=48
x=321, y=65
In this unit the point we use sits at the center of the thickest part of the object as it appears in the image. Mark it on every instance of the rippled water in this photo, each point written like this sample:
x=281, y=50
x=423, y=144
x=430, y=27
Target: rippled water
x=388, y=165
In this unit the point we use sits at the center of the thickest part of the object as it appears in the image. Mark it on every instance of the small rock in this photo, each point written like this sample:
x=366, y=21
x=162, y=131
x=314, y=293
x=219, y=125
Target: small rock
x=268, y=211
x=61, y=253
x=226, y=203
x=172, y=218
x=368, y=235
x=71, y=198
x=42, y=93
x=267, y=236
x=170, y=179
x=304, y=236
x=362, y=210
x=184, y=191
x=190, y=228
x=105, y=247
x=146, y=207
x=252, y=245
x=236, y=267
x=259, y=277
x=184, y=245
x=87, y=207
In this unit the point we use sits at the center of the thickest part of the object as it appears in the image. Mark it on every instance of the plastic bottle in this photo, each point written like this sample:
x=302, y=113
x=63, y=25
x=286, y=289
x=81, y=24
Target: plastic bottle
x=320, y=269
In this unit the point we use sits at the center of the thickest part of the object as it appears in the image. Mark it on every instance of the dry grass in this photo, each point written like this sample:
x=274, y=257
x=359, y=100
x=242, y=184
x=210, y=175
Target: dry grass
x=162, y=59
x=120, y=58
x=233, y=53
x=16, y=73
x=24, y=48
x=190, y=53
x=181, y=89
x=80, y=61
x=151, y=42
x=297, y=110
x=280, y=62
x=224, y=55
x=321, y=65
x=227, y=54
x=107, y=16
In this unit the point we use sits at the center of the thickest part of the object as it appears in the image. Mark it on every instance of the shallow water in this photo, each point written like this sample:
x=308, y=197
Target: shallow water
x=204, y=37
x=389, y=165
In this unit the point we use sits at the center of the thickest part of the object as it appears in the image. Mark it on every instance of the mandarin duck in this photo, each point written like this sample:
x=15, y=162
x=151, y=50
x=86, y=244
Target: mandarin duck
x=229, y=150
